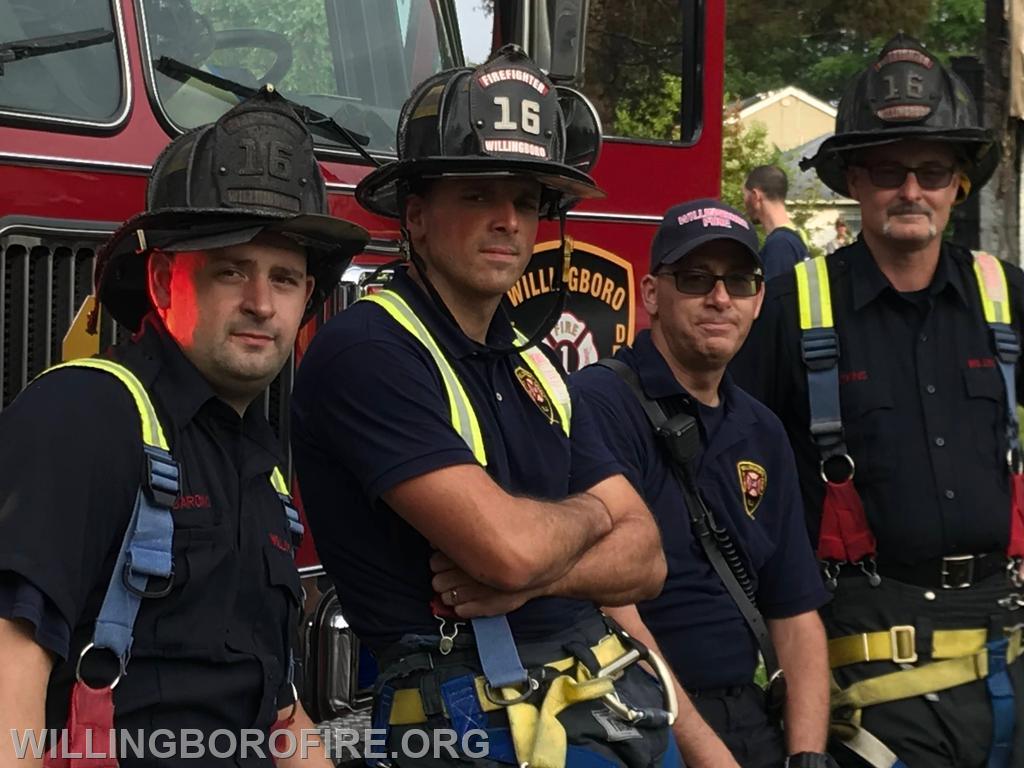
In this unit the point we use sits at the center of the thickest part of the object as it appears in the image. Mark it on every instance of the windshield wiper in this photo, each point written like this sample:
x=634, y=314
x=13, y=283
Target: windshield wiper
x=41, y=46
x=182, y=72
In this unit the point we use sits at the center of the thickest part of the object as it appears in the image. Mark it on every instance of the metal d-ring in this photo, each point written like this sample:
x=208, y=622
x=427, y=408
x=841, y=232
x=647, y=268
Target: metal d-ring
x=532, y=686
x=78, y=668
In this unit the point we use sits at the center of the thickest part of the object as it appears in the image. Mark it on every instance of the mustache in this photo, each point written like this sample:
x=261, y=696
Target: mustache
x=904, y=209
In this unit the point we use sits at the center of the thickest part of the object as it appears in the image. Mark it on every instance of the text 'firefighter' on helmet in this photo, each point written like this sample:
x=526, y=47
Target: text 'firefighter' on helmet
x=503, y=118
x=906, y=94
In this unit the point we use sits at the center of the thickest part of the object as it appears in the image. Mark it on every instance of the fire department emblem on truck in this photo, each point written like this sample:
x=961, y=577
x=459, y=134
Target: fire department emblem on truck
x=753, y=484
x=598, y=316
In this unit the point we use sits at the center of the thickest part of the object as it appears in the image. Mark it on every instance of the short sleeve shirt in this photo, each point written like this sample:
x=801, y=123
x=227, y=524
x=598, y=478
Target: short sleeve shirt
x=781, y=251
x=213, y=653
x=747, y=477
x=923, y=402
x=369, y=411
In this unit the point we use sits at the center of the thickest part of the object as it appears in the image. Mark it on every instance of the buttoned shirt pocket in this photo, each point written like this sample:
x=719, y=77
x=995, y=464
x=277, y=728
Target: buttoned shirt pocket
x=281, y=570
x=867, y=408
x=985, y=407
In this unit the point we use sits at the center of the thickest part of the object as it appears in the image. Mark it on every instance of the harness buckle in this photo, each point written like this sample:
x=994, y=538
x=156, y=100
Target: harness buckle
x=957, y=572
x=903, y=639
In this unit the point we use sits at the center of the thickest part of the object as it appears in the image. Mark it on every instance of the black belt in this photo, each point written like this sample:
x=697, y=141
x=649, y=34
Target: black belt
x=951, y=572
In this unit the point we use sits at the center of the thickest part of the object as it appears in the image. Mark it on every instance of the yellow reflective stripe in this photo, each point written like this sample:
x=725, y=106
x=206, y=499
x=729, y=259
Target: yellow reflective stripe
x=551, y=380
x=813, y=293
x=462, y=415
x=995, y=297
x=152, y=432
x=277, y=480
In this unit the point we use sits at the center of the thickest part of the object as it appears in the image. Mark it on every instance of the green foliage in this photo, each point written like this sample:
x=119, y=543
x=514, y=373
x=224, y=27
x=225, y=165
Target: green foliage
x=743, y=149
x=302, y=22
x=651, y=114
x=820, y=45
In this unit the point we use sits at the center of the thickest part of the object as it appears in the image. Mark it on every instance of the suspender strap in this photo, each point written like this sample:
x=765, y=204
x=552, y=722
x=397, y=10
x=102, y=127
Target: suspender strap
x=462, y=415
x=995, y=303
x=494, y=641
x=295, y=526
x=819, y=349
x=146, y=548
x=702, y=521
x=1000, y=694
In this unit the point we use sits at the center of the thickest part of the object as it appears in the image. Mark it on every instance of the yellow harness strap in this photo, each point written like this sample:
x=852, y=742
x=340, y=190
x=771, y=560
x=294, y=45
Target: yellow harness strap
x=899, y=645
x=965, y=659
x=814, y=295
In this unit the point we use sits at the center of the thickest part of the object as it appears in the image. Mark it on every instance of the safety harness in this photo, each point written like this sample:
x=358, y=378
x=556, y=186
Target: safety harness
x=144, y=569
x=958, y=656
x=535, y=737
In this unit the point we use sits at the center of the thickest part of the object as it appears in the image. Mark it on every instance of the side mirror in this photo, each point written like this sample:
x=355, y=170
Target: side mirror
x=568, y=24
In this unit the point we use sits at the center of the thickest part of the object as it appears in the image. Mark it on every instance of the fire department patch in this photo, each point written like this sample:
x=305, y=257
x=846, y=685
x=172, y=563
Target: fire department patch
x=598, y=315
x=536, y=393
x=753, y=484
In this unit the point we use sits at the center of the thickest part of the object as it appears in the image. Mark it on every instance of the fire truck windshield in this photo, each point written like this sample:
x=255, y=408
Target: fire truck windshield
x=354, y=60
x=59, y=60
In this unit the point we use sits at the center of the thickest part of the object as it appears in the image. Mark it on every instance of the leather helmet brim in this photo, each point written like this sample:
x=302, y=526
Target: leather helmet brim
x=378, y=191
x=121, y=262
x=830, y=161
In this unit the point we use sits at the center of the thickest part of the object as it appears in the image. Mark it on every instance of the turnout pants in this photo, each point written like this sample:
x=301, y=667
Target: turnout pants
x=423, y=696
x=739, y=715
x=950, y=727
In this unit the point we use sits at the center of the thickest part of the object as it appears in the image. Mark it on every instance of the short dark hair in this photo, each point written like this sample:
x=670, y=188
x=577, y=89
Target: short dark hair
x=771, y=180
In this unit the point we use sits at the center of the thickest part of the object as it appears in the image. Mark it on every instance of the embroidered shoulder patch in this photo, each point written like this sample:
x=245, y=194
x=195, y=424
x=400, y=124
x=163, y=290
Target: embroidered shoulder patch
x=536, y=393
x=753, y=484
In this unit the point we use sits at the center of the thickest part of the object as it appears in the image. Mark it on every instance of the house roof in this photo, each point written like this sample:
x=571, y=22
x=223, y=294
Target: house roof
x=755, y=104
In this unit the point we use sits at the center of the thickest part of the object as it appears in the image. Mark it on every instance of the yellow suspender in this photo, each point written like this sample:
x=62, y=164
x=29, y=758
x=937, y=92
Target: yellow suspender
x=813, y=293
x=461, y=411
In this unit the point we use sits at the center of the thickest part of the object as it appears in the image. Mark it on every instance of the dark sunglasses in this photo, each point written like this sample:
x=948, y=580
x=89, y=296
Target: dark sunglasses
x=892, y=175
x=697, y=283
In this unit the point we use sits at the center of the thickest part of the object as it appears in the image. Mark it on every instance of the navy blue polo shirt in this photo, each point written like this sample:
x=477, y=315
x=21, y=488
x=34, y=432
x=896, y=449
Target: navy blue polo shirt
x=747, y=476
x=370, y=412
x=783, y=249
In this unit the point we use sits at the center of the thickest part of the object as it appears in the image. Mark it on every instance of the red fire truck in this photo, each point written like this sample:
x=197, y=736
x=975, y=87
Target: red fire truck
x=91, y=91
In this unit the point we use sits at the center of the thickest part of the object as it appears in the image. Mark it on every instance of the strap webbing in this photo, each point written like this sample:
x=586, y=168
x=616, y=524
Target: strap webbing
x=1000, y=694
x=462, y=415
x=494, y=641
x=146, y=550
x=699, y=516
x=870, y=749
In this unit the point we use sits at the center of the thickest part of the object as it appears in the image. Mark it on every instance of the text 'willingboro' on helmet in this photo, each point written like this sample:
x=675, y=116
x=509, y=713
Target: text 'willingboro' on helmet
x=906, y=94
x=223, y=184
x=503, y=118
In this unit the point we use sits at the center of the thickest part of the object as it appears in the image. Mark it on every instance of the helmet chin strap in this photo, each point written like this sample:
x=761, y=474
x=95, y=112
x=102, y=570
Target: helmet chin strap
x=549, y=319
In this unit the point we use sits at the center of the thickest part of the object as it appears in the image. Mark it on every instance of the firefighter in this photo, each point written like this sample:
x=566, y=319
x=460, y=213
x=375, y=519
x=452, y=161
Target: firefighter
x=146, y=536
x=893, y=364
x=475, y=516
x=703, y=292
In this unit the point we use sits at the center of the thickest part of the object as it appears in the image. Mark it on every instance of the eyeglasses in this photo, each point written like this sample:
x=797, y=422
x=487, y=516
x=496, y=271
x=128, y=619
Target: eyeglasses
x=697, y=283
x=892, y=175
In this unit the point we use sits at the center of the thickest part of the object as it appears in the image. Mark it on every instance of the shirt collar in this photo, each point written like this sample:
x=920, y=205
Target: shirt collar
x=658, y=381
x=442, y=325
x=868, y=282
x=183, y=391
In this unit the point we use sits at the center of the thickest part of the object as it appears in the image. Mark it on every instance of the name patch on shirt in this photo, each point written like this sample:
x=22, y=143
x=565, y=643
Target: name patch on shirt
x=536, y=393
x=753, y=484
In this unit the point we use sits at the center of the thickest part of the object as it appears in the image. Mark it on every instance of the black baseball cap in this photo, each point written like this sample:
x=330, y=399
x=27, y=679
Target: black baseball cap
x=689, y=225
